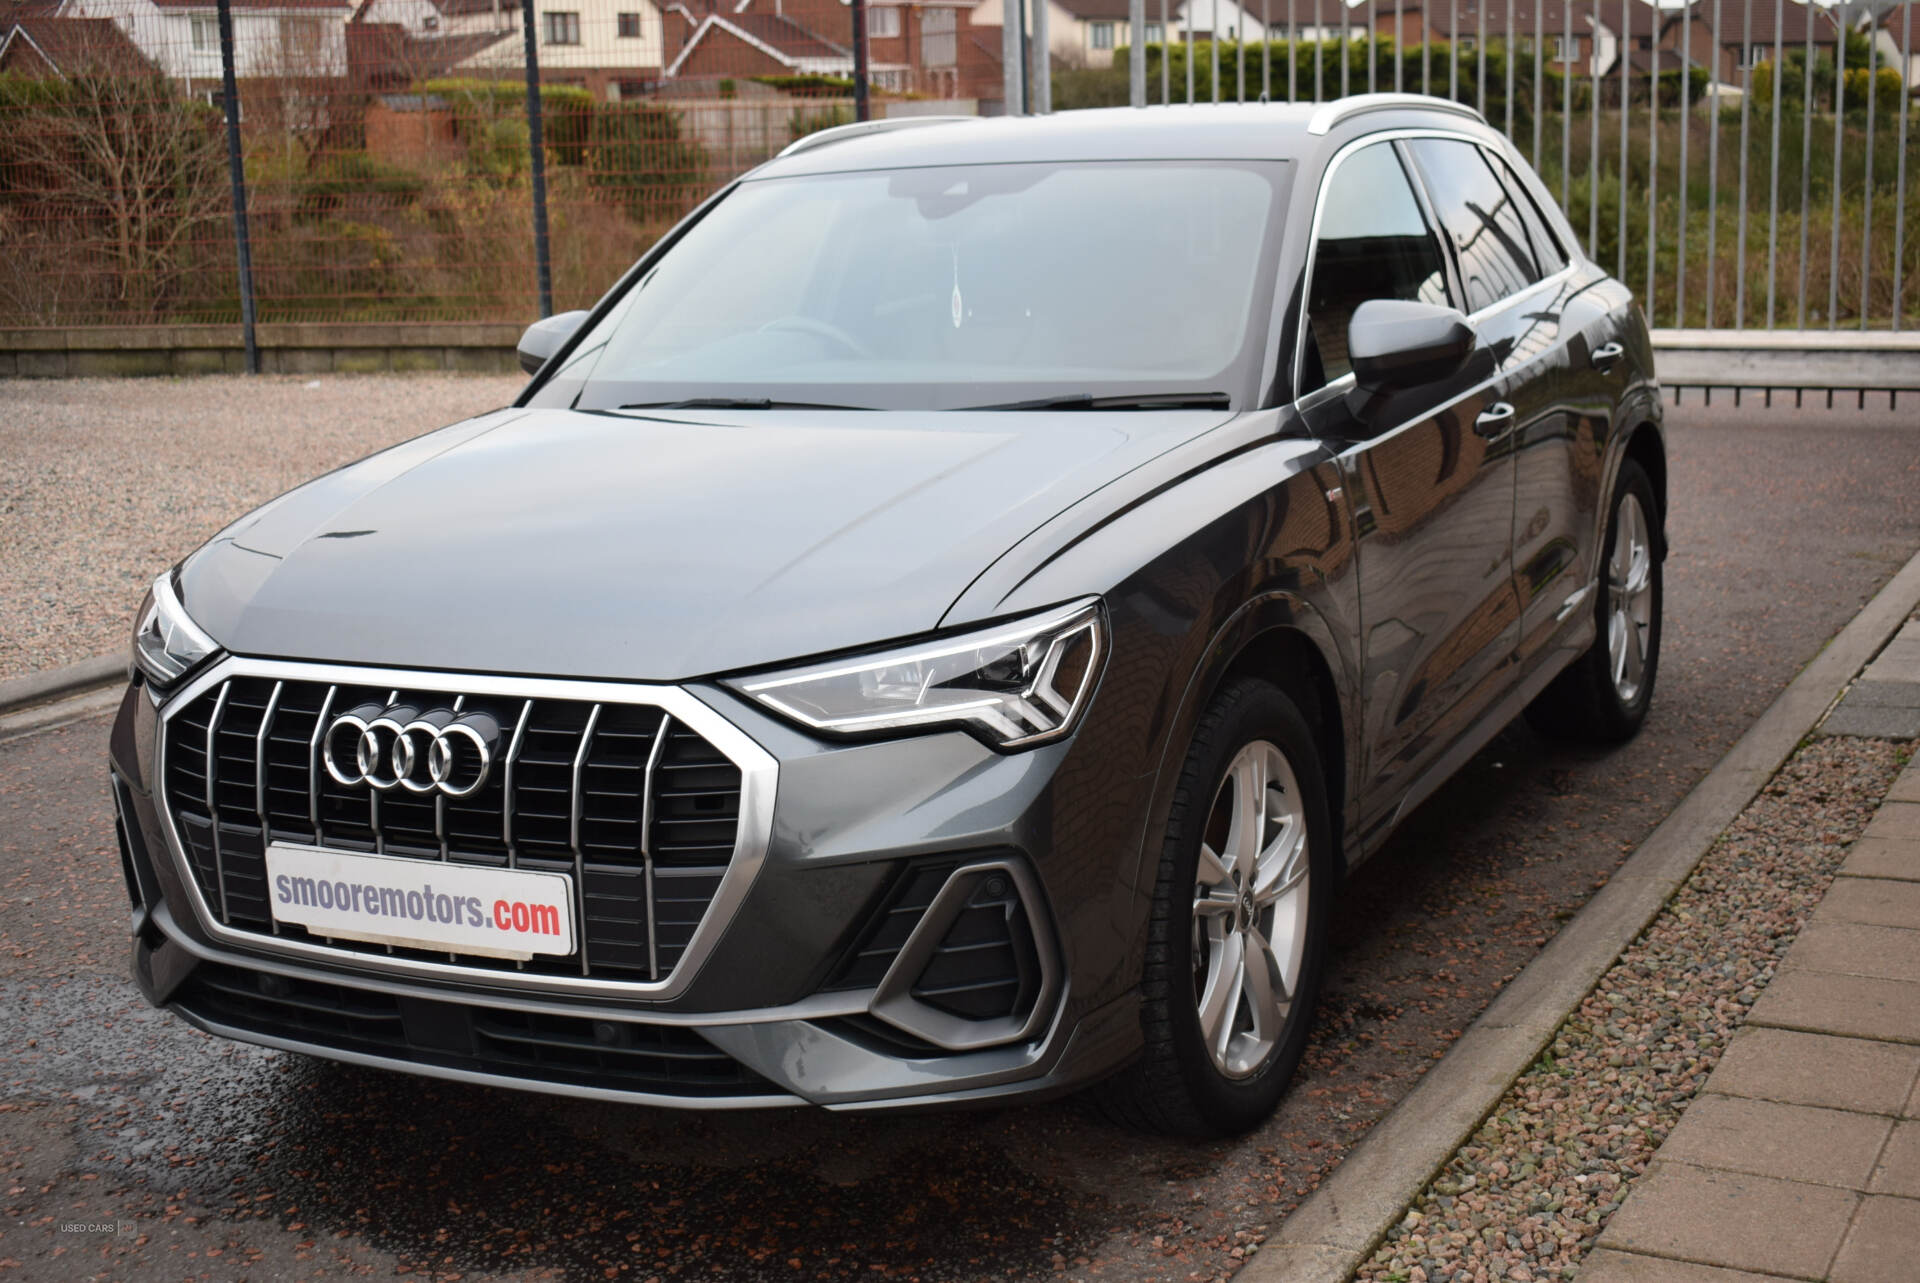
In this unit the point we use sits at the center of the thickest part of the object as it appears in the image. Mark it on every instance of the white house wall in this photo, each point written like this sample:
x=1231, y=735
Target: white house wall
x=165, y=36
x=600, y=43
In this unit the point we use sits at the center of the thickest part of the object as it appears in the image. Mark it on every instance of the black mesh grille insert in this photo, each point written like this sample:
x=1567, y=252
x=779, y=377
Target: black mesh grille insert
x=886, y=932
x=639, y=809
x=986, y=966
x=616, y=1054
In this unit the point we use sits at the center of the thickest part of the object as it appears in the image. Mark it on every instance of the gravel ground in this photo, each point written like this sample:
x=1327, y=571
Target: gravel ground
x=110, y=481
x=1526, y=1197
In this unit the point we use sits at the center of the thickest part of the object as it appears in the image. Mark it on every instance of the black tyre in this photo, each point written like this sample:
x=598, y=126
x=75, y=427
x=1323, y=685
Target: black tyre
x=1237, y=937
x=1604, y=695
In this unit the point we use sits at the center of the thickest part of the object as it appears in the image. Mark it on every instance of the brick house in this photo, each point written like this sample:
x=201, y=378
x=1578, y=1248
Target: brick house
x=39, y=45
x=612, y=48
x=1746, y=36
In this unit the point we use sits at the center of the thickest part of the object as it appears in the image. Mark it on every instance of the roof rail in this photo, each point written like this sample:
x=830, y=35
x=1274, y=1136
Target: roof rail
x=1340, y=109
x=840, y=133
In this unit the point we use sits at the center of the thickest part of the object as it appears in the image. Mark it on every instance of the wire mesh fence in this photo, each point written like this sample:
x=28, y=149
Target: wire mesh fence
x=1741, y=163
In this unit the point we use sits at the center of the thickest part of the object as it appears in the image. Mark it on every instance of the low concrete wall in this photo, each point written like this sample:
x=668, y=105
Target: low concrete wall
x=1840, y=360
x=284, y=349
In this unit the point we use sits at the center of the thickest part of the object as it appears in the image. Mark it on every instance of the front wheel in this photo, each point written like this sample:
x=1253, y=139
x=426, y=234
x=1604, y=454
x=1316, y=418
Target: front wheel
x=1239, y=922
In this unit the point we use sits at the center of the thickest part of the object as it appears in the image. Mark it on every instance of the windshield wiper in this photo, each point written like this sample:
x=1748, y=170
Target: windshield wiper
x=737, y=403
x=1142, y=401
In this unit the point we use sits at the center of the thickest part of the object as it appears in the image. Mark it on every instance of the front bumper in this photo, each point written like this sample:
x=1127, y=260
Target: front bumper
x=779, y=1008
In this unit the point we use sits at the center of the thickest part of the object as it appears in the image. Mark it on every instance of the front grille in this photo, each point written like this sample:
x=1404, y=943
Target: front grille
x=640, y=809
x=615, y=1054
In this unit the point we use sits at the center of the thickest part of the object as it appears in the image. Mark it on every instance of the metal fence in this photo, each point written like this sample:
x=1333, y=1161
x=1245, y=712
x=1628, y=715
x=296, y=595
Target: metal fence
x=1742, y=163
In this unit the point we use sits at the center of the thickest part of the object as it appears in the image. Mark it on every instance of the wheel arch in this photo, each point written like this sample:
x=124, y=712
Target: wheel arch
x=1282, y=638
x=1646, y=448
x=1287, y=656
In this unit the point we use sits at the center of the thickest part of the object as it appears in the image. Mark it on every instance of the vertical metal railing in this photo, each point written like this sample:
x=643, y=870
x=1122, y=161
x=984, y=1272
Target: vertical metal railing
x=1900, y=175
x=1773, y=168
x=1641, y=166
x=1643, y=132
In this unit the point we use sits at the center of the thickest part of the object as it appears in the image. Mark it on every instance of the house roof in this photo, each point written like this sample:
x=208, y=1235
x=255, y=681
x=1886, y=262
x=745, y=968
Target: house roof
x=1794, y=19
x=786, y=35
x=69, y=45
x=1106, y=10
x=1440, y=15
x=259, y=4
x=466, y=8
x=1902, y=24
x=781, y=38
x=384, y=55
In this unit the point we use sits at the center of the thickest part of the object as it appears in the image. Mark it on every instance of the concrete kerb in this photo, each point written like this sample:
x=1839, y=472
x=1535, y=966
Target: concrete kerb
x=19, y=693
x=1333, y=1233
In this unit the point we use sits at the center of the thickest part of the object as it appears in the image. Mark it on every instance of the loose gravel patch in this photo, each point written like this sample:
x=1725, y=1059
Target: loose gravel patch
x=1527, y=1196
x=110, y=481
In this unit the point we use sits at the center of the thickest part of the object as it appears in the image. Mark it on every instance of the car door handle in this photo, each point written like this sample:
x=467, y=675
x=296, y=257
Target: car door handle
x=1605, y=355
x=1494, y=420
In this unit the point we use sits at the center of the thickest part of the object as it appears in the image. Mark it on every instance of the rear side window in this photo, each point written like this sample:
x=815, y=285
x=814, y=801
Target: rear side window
x=1374, y=243
x=1546, y=246
x=1482, y=219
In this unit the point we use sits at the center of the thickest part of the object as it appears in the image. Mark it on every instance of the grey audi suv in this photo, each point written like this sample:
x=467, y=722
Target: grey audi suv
x=939, y=630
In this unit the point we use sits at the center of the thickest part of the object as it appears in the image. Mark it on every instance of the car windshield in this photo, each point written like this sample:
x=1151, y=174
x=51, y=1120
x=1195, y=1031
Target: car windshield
x=950, y=287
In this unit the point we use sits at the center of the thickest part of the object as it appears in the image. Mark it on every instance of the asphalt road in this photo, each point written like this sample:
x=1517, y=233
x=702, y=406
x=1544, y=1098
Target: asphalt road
x=179, y=1156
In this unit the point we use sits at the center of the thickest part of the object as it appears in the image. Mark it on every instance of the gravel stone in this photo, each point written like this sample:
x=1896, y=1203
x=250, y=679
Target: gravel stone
x=110, y=481
x=1526, y=1197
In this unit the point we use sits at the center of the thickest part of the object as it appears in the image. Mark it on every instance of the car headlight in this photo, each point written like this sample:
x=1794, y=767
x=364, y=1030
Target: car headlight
x=166, y=644
x=1014, y=685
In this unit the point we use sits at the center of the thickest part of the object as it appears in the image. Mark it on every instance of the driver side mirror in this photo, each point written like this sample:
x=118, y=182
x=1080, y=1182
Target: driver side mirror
x=544, y=338
x=1394, y=345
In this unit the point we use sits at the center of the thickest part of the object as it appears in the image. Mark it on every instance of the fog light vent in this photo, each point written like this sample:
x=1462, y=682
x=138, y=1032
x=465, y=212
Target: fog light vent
x=984, y=967
x=979, y=968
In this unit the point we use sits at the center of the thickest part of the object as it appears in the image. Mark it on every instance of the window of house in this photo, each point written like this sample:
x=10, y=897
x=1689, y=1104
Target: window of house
x=1466, y=42
x=1565, y=49
x=629, y=26
x=206, y=32
x=883, y=22
x=1481, y=219
x=1100, y=35
x=430, y=23
x=937, y=38
x=301, y=39
x=1374, y=244
x=561, y=28
x=1756, y=54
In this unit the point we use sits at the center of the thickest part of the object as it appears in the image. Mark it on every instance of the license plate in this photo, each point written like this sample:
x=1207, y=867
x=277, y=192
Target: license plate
x=421, y=904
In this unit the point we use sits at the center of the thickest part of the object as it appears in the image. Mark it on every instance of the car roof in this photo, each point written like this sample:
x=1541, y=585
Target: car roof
x=1226, y=131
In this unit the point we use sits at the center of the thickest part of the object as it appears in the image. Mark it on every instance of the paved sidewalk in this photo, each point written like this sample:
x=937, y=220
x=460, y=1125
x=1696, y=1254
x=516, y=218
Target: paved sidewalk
x=1801, y=1159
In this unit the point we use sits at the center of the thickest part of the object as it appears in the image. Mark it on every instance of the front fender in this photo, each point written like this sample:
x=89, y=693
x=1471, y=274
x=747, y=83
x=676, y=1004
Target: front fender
x=1195, y=573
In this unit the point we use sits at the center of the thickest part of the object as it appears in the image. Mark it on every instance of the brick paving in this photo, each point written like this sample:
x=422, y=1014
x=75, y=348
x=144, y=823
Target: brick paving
x=1801, y=1159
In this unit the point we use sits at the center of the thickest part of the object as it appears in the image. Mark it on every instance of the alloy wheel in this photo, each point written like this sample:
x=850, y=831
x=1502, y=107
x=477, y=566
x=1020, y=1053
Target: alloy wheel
x=1250, y=910
x=1629, y=598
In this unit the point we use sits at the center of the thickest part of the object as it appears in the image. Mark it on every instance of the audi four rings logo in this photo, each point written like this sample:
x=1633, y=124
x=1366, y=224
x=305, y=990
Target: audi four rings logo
x=435, y=750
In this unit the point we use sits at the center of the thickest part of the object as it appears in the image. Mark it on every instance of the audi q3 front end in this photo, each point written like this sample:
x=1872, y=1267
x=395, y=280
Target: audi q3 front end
x=906, y=645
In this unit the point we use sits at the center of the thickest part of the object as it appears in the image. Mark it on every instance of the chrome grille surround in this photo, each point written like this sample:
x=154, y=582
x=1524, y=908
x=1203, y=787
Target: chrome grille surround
x=758, y=769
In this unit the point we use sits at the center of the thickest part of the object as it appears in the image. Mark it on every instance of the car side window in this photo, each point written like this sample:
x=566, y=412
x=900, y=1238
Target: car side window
x=1374, y=243
x=1482, y=220
x=1546, y=246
